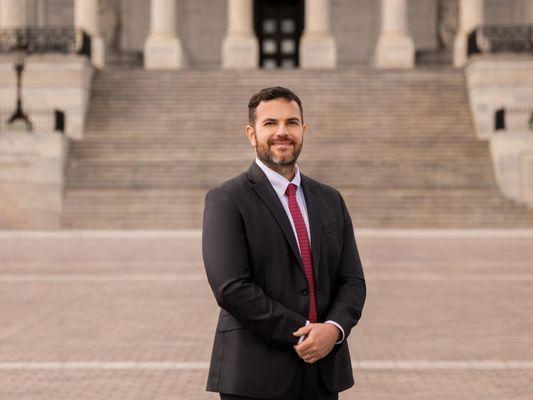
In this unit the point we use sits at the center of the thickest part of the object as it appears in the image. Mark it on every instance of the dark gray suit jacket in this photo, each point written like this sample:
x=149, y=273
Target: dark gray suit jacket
x=254, y=268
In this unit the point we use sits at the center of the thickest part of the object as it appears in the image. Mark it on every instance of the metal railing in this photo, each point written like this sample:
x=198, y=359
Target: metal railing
x=501, y=39
x=41, y=121
x=514, y=119
x=45, y=40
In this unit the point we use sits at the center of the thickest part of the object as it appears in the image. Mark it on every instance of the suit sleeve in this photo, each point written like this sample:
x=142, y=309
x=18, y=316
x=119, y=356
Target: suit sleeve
x=350, y=287
x=225, y=254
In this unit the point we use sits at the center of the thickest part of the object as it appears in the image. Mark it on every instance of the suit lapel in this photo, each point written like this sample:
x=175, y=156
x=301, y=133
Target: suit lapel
x=313, y=211
x=267, y=194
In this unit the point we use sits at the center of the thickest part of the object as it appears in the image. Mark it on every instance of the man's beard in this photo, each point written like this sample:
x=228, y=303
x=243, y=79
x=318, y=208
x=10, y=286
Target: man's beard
x=267, y=156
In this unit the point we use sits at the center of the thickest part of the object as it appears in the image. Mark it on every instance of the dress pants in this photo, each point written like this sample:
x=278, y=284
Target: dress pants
x=306, y=385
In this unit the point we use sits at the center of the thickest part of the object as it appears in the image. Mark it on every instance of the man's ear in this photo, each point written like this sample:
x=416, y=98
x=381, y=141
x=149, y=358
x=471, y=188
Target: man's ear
x=250, y=133
x=304, y=126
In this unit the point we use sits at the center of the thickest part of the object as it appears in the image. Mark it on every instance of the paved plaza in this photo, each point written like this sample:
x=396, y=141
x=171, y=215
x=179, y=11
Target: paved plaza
x=129, y=315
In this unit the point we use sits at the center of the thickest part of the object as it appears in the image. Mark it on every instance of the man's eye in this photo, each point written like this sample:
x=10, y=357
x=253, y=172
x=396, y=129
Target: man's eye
x=293, y=123
x=269, y=123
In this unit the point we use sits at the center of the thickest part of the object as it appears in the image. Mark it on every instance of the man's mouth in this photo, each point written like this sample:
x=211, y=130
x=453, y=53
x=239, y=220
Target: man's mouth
x=282, y=143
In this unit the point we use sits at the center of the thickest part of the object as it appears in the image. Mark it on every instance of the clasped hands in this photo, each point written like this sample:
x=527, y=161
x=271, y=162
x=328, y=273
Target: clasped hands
x=320, y=339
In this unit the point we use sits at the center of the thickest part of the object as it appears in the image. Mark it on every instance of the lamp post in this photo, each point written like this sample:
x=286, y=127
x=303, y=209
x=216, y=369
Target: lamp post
x=19, y=116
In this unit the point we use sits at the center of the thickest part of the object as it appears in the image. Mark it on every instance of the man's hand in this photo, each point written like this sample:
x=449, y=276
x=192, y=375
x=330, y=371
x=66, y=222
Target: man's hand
x=319, y=341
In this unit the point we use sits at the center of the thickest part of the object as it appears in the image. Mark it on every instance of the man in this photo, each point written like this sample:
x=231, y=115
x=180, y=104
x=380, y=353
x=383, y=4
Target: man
x=281, y=259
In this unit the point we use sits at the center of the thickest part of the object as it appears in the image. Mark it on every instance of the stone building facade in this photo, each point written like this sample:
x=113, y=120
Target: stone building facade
x=209, y=34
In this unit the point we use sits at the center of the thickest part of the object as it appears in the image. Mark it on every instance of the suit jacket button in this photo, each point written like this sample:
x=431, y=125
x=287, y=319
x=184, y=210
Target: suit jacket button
x=304, y=292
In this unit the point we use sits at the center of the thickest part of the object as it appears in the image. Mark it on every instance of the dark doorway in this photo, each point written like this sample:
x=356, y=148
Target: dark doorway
x=278, y=26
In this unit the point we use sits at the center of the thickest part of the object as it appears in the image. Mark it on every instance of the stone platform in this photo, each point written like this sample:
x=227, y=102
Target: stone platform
x=129, y=315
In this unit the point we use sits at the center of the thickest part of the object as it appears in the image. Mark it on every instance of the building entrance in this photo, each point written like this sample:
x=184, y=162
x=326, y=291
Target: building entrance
x=278, y=26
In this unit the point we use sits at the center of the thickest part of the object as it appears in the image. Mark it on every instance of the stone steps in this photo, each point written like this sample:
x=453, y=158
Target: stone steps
x=182, y=208
x=399, y=145
x=421, y=173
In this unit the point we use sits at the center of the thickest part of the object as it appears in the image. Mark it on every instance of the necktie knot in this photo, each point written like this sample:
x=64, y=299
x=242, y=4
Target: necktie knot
x=291, y=189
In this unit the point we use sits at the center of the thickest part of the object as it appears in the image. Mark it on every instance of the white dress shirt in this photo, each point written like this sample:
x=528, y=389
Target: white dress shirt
x=279, y=184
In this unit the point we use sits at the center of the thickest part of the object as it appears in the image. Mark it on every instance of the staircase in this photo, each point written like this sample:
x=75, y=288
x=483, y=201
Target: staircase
x=399, y=145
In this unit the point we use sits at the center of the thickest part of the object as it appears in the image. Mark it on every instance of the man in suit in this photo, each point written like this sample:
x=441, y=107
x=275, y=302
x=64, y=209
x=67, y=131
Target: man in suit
x=281, y=259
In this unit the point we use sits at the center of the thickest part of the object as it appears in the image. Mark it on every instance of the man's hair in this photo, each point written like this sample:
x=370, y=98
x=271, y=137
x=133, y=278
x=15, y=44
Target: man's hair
x=272, y=93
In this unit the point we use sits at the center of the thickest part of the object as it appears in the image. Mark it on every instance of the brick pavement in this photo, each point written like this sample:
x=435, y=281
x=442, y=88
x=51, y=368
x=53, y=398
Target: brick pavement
x=130, y=316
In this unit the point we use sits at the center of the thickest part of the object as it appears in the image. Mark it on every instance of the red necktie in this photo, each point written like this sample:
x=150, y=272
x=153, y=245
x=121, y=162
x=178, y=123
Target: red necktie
x=305, y=250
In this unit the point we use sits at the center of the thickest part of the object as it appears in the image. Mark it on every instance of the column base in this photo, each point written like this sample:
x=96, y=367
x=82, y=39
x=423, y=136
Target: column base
x=318, y=51
x=395, y=51
x=240, y=52
x=460, y=49
x=163, y=52
x=98, y=52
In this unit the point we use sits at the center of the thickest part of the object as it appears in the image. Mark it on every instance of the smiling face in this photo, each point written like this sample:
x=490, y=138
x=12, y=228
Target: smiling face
x=278, y=132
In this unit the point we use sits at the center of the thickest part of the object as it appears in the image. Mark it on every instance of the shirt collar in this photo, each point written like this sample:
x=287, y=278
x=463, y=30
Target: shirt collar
x=278, y=181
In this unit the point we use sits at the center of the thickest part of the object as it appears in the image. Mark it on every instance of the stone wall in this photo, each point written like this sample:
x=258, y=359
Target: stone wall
x=135, y=21
x=422, y=16
x=506, y=11
x=203, y=26
x=355, y=26
x=31, y=179
x=58, y=13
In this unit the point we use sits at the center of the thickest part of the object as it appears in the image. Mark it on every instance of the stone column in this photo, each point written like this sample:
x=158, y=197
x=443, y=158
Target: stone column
x=471, y=14
x=318, y=48
x=86, y=17
x=240, y=49
x=162, y=48
x=395, y=48
x=13, y=14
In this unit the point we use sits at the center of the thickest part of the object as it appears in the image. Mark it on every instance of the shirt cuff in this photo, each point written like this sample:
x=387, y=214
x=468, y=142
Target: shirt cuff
x=301, y=339
x=338, y=326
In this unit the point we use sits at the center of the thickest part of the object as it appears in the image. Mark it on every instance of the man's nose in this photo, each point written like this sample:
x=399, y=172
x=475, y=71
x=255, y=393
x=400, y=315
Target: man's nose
x=282, y=130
